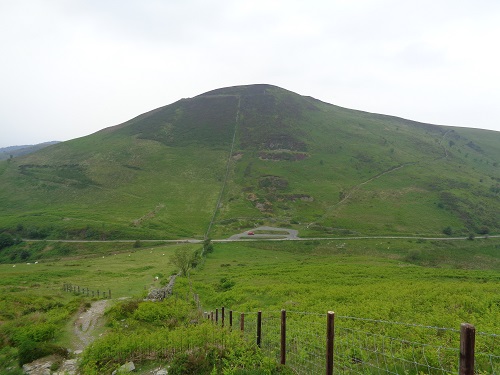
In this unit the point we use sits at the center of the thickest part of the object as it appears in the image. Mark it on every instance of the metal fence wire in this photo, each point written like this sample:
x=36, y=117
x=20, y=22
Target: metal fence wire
x=364, y=346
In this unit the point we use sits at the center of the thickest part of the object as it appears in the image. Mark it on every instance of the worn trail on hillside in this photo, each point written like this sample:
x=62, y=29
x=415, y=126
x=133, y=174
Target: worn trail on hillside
x=228, y=165
x=86, y=324
x=355, y=188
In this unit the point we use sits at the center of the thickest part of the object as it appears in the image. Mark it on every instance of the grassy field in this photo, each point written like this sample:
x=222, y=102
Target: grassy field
x=440, y=283
x=431, y=283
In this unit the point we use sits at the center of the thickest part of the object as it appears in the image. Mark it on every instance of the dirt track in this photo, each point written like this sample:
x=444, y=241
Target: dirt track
x=87, y=323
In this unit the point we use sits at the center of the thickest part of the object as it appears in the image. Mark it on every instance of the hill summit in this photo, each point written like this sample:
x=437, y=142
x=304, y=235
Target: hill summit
x=238, y=157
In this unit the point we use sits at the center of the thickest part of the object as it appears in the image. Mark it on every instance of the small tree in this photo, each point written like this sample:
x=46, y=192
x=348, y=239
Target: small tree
x=183, y=260
x=207, y=246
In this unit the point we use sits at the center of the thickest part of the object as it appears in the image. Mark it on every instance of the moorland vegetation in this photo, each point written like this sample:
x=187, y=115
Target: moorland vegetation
x=225, y=162
x=256, y=155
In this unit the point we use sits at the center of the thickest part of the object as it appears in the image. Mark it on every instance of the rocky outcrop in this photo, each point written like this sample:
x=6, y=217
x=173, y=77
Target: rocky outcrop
x=44, y=366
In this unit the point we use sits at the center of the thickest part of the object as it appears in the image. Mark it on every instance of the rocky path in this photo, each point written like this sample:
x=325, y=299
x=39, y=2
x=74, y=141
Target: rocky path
x=84, y=331
x=86, y=324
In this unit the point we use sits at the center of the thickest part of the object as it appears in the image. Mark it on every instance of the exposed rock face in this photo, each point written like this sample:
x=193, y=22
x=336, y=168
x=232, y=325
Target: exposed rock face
x=164, y=292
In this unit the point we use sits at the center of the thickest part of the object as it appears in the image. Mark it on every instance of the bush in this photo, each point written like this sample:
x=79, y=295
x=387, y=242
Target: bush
x=30, y=351
x=448, y=231
x=484, y=230
x=194, y=361
x=6, y=240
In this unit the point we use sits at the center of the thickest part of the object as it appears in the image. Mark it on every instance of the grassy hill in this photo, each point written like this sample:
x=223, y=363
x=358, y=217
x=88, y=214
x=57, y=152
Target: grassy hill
x=237, y=157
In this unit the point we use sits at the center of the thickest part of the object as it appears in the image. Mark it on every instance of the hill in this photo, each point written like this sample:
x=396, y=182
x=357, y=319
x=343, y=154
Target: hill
x=234, y=158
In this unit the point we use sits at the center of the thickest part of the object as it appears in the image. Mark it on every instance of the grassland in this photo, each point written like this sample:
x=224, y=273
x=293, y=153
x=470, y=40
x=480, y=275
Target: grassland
x=437, y=283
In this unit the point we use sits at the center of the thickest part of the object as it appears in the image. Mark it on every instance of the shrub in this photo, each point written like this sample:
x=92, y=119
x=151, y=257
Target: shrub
x=448, y=231
x=483, y=230
x=6, y=240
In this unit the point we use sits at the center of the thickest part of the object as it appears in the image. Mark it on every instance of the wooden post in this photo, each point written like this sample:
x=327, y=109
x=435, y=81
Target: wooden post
x=259, y=328
x=109, y=293
x=78, y=289
x=212, y=316
x=216, y=316
x=467, y=343
x=330, y=325
x=242, y=322
x=230, y=318
x=97, y=293
x=222, y=316
x=283, y=337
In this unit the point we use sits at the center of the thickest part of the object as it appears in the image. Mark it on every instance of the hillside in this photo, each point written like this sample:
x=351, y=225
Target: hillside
x=271, y=157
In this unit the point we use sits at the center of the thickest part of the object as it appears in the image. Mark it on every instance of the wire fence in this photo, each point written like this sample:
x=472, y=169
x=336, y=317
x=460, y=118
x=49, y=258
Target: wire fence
x=85, y=291
x=364, y=346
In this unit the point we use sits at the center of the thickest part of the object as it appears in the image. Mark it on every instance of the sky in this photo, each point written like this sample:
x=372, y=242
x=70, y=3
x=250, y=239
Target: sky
x=69, y=68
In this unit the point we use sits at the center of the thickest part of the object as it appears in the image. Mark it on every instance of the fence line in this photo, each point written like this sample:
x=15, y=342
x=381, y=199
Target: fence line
x=87, y=292
x=312, y=343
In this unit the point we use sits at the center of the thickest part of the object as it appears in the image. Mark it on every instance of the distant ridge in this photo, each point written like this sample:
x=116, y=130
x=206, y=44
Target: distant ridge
x=13, y=151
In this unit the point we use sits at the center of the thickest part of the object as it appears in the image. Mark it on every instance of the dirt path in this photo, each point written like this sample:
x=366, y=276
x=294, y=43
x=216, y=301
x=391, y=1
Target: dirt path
x=86, y=325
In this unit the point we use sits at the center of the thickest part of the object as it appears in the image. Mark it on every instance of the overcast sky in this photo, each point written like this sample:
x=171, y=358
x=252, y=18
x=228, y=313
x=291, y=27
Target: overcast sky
x=69, y=68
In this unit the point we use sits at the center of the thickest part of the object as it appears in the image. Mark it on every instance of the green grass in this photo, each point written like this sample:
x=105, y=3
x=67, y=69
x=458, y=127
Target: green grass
x=431, y=283
x=439, y=283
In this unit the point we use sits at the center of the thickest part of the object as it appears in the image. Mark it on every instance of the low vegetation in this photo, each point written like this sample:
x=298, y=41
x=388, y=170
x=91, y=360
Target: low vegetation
x=432, y=283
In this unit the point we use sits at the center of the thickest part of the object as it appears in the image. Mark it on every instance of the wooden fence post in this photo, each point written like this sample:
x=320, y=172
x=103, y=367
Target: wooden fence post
x=212, y=316
x=216, y=316
x=467, y=343
x=283, y=337
x=109, y=293
x=231, y=319
x=259, y=328
x=329, y=341
x=242, y=322
x=222, y=316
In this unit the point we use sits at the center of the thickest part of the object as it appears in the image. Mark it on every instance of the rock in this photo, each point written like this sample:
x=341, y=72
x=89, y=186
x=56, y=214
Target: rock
x=127, y=367
x=161, y=372
x=162, y=293
x=38, y=367
x=68, y=367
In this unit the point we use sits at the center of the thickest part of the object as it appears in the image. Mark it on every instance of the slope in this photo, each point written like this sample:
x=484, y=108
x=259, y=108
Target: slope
x=272, y=157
